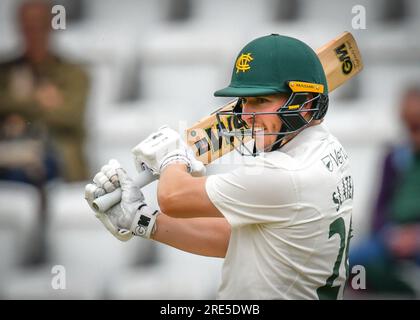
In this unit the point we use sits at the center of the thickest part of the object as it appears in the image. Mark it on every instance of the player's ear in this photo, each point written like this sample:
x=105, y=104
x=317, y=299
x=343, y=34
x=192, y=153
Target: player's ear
x=308, y=105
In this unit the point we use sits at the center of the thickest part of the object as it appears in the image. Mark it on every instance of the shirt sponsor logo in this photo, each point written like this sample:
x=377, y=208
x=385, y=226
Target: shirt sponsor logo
x=328, y=163
x=335, y=159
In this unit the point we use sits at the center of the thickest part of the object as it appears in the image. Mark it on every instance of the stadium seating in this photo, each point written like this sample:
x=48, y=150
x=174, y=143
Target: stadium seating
x=19, y=224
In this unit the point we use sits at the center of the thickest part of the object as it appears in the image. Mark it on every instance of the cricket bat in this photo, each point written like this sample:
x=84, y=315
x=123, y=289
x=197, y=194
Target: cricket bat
x=341, y=61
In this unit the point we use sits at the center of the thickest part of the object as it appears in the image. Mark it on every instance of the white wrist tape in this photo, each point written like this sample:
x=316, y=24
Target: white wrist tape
x=176, y=158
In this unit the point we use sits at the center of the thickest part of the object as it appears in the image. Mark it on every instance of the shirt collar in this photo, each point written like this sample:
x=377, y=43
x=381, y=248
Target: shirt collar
x=313, y=133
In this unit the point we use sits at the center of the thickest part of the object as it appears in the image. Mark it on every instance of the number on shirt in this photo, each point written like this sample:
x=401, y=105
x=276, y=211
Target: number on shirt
x=328, y=291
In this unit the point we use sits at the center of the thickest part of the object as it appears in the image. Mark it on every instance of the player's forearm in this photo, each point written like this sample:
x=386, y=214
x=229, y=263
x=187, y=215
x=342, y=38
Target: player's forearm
x=173, y=179
x=180, y=194
x=202, y=236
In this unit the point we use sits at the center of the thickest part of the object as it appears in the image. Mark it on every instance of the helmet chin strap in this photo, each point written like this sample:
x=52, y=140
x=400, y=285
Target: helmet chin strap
x=280, y=139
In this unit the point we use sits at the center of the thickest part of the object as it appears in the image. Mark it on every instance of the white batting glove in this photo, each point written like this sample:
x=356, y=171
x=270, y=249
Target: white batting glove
x=106, y=181
x=139, y=218
x=163, y=148
x=131, y=216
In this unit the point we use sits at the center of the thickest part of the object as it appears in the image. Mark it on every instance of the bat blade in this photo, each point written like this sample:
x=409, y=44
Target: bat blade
x=341, y=60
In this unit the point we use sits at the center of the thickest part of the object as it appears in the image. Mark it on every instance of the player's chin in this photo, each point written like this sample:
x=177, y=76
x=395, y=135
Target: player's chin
x=264, y=143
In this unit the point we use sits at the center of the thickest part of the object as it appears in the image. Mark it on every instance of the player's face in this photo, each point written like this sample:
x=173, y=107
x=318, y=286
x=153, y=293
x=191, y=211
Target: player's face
x=266, y=122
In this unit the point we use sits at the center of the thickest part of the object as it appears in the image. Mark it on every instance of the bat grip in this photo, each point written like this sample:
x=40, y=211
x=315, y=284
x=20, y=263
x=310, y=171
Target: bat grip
x=107, y=201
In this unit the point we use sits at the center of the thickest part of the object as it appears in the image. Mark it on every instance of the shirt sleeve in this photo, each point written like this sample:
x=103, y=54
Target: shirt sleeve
x=244, y=196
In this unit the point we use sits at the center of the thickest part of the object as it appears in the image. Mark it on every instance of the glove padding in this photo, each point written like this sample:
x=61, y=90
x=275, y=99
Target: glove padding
x=162, y=148
x=131, y=216
x=138, y=217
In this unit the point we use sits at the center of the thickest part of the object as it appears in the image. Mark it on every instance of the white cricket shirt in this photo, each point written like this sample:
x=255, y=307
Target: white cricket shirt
x=290, y=214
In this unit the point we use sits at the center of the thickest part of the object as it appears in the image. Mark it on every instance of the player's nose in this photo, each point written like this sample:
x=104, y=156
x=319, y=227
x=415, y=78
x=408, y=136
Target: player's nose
x=248, y=118
x=248, y=113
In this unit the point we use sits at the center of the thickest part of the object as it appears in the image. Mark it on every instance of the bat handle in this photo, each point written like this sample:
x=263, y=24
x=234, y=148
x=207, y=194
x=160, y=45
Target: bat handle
x=107, y=201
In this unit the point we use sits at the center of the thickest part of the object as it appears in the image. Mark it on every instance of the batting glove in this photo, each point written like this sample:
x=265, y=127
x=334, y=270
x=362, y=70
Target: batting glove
x=163, y=148
x=131, y=216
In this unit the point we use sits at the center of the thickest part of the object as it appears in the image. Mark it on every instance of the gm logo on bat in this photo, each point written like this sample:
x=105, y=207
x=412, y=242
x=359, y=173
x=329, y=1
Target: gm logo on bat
x=342, y=53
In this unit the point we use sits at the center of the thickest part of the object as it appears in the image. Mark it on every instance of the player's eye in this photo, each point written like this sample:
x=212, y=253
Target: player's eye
x=261, y=100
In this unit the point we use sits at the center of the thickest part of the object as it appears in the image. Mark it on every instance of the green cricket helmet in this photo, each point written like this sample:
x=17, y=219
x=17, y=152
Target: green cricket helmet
x=277, y=64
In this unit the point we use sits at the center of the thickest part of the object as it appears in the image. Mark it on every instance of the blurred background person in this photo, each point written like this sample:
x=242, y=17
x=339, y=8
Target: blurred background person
x=395, y=234
x=44, y=96
x=42, y=108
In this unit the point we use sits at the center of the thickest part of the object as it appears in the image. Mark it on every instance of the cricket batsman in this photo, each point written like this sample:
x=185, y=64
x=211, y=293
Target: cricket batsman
x=282, y=219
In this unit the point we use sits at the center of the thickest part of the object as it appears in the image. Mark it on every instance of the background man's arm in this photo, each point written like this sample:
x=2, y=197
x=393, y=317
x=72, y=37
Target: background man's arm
x=71, y=88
